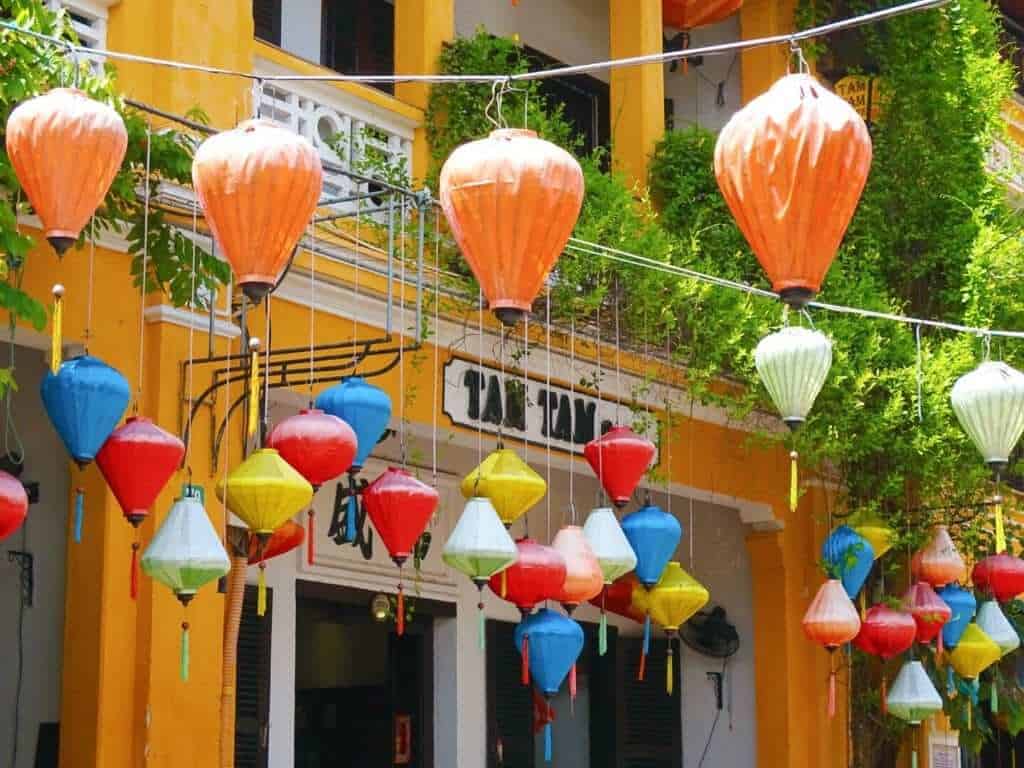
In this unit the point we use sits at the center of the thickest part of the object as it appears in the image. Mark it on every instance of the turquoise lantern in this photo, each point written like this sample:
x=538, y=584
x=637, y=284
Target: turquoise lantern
x=962, y=604
x=554, y=647
x=367, y=409
x=848, y=556
x=85, y=399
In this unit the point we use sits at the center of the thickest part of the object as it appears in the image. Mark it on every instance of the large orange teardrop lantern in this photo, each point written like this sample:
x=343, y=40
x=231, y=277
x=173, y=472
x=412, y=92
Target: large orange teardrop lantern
x=258, y=185
x=66, y=150
x=792, y=165
x=512, y=201
x=689, y=14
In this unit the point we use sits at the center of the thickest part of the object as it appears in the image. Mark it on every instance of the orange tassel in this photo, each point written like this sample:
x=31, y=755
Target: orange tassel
x=133, y=578
x=524, y=670
x=885, y=698
x=311, y=537
x=504, y=584
x=939, y=646
x=643, y=667
x=832, y=694
x=572, y=682
x=400, y=618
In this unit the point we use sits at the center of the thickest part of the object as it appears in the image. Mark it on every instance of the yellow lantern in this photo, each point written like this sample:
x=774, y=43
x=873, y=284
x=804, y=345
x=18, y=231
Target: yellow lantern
x=975, y=653
x=880, y=536
x=509, y=482
x=672, y=601
x=264, y=491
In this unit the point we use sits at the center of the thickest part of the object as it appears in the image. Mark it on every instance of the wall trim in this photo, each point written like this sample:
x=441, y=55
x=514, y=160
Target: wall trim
x=165, y=313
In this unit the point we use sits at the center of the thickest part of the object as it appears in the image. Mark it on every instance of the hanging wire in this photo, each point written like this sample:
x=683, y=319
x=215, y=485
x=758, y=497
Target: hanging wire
x=572, y=418
x=401, y=337
x=264, y=421
x=312, y=304
x=191, y=336
x=355, y=278
x=599, y=493
x=481, y=389
x=618, y=356
x=549, y=411
x=668, y=442
x=437, y=363
x=145, y=268
x=920, y=374
x=526, y=405
x=88, y=298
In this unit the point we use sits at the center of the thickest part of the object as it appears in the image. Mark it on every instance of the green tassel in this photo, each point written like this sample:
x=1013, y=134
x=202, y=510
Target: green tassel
x=913, y=759
x=184, y=651
x=602, y=635
x=995, y=698
x=481, y=635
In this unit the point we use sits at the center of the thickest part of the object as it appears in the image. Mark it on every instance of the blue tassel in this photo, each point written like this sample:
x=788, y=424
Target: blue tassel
x=79, y=514
x=547, y=742
x=950, y=687
x=350, y=527
x=647, y=634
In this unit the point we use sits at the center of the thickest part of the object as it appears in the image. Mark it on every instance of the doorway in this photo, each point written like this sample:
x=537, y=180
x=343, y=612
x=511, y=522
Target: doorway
x=363, y=695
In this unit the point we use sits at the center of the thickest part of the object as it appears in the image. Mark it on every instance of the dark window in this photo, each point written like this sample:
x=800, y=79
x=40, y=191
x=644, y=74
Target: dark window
x=1013, y=24
x=358, y=38
x=584, y=101
x=252, y=684
x=266, y=16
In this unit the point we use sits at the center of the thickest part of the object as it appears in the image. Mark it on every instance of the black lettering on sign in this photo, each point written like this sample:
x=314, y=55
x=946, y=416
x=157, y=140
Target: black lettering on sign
x=563, y=422
x=515, y=413
x=473, y=383
x=492, y=404
x=584, y=421
x=548, y=401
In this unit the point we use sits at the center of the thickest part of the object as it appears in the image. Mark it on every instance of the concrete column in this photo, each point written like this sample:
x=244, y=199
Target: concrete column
x=637, y=93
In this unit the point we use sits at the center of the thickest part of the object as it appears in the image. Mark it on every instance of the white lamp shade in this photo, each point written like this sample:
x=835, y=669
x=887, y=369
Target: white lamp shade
x=793, y=364
x=186, y=552
x=989, y=403
x=480, y=545
x=609, y=544
x=913, y=697
x=993, y=622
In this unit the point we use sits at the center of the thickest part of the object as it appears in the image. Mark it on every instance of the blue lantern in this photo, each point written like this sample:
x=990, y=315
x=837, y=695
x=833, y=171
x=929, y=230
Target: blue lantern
x=654, y=535
x=552, y=643
x=85, y=400
x=848, y=556
x=962, y=604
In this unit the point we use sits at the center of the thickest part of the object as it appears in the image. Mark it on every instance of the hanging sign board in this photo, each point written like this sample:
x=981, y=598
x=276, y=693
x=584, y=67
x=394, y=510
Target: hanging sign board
x=480, y=397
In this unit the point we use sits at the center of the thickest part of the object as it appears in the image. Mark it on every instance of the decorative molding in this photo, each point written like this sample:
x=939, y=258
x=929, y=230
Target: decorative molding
x=165, y=313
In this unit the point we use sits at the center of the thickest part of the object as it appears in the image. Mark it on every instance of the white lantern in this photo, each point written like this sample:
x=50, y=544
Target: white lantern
x=913, y=697
x=609, y=544
x=989, y=403
x=793, y=364
x=186, y=552
x=993, y=622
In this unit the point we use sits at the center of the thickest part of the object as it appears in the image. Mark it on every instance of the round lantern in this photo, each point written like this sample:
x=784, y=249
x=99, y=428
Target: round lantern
x=962, y=606
x=792, y=165
x=989, y=404
x=320, y=446
x=879, y=535
x=619, y=458
x=282, y=541
x=550, y=644
x=258, y=185
x=479, y=547
x=928, y=610
x=674, y=599
x=511, y=182
x=185, y=554
x=583, y=578
x=399, y=506
x=690, y=14
x=13, y=504
x=1001, y=576
x=831, y=620
x=509, y=482
x=614, y=555
x=993, y=622
x=264, y=491
x=137, y=460
x=885, y=633
x=66, y=150
x=537, y=575
x=848, y=556
x=793, y=363
x=940, y=564
x=654, y=536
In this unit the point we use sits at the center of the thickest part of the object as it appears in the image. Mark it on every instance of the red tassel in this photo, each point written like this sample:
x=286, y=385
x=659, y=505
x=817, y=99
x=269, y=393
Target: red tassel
x=572, y=682
x=311, y=537
x=832, y=694
x=643, y=667
x=133, y=578
x=400, y=618
x=885, y=702
x=524, y=670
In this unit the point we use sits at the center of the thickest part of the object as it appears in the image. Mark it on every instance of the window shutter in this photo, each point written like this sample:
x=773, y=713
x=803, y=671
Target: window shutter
x=652, y=722
x=266, y=16
x=252, y=684
x=509, y=703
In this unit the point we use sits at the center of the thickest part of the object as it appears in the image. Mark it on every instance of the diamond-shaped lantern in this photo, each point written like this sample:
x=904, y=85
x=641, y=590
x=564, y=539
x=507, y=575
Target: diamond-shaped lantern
x=619, y=458
x=510, y=483
x=614, y=555
x=962, y=606
x=940, y=563
x=831, y=620
x=848, y=557
x=674, y=599
x=928, y=610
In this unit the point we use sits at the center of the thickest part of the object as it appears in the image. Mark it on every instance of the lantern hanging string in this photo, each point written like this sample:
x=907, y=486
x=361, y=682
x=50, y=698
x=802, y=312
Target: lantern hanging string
x=191, y=336
x=597, y=416
x=312, y=308
x=526, y=410
x=401, y=337
x=145, y=268
x=572, y=418
x=74, y=49
x=480, y=380
x=87, y=334
x=265, y=411
x=920, y=373
x=547, y=405
x=355, y=279
x=618, y=354
x=437, y=345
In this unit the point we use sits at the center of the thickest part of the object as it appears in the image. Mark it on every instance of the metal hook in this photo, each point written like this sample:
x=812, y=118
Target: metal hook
x=795, y=50
x=986, y=346
x=493, y=100
x=807, y=315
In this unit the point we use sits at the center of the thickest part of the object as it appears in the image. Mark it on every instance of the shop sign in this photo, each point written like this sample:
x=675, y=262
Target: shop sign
x=482, y=397
x=864, y=94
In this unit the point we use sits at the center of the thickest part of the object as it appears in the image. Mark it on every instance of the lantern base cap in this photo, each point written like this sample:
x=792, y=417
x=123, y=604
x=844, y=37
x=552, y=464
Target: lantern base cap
x=796, y=297
x=509, y=316
x=997, y=466
x=135, y=518
x=60, y=243
x=794, y=423
x=185, y=597
x=256, y=291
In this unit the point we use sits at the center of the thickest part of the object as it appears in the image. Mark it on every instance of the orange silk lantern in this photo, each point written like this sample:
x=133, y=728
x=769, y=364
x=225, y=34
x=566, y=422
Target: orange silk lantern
x=792, y=165
x=512, y=201
x=286, y=538
x=940, y=564
x=66, y=150
x=831, y=620
x=689, y=14
x=583, y=577
x=258, y=185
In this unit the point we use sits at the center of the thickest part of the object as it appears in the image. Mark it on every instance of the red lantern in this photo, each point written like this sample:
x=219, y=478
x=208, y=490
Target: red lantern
x=537, y=575
x=619, y=458
x=831, y=620
x=618, y=598
x=283, y=540
x=400, y=506
x=940, y=564
x=137, y=460
x=885, y=632
x=929, y=611
x=320, y=446
x=1001, y=576
x=13, y=504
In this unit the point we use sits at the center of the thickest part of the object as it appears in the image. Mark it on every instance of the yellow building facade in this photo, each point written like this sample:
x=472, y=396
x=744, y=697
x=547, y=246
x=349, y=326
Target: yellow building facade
x=122, y=702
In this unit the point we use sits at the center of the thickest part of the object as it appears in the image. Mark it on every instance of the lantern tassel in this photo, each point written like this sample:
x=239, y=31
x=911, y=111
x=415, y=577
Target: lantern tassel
x=794, y=481
x=994, y=700
x=885, y=699
x=254, y=391
x=350, y=514
x=913, y=758
x=504, y=584
x=645, y=648
x=79, y=513
x=547, y=742
x=524, y=668
x=602, y=635
x=133, y=575
x=311, y=537
x=832, y=694
x=481, y=635
x=939, y=647
x=184, y=651
x=261, y=592
x=572, y=686
x=863, y=605
x=950, y=688
x=1000, y=532
x=400, y=617
x=970, y=710
x=57, y=330
x=669, y=672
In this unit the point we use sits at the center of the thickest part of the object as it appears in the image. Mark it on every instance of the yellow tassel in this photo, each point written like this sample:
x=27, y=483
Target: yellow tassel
x=57, y=337
x=254, y=388
x=1000, y=532
x=794, y=490
x=261, y=594
x=863, y=605
x=669, y=677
